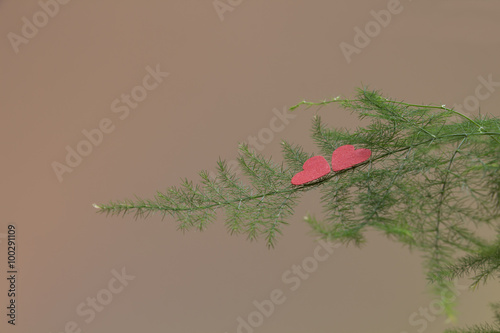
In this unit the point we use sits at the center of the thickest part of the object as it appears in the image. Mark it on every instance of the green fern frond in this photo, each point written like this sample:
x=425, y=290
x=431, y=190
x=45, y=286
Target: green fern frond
x=432, y=180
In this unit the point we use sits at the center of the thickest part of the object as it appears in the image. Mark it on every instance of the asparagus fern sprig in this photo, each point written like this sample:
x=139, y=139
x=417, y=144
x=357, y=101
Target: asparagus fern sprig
x=432, y=180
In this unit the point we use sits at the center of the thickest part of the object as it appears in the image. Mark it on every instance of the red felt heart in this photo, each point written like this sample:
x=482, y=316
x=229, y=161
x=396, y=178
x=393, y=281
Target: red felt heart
x=346, y=156
x=314, y=168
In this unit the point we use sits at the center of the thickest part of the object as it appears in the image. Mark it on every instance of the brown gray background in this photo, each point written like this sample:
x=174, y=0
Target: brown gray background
x=225, y=79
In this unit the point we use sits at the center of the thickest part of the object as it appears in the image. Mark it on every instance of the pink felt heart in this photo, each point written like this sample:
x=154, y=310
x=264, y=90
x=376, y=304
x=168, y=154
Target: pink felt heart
x=346, y=156
x=314, y=168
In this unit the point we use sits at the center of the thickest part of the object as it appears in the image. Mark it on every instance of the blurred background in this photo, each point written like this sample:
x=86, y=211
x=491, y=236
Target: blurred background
x=147, y=93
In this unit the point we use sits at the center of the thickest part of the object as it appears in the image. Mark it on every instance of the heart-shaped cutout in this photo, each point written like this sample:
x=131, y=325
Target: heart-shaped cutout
x=347, y=156
x=314, y=168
